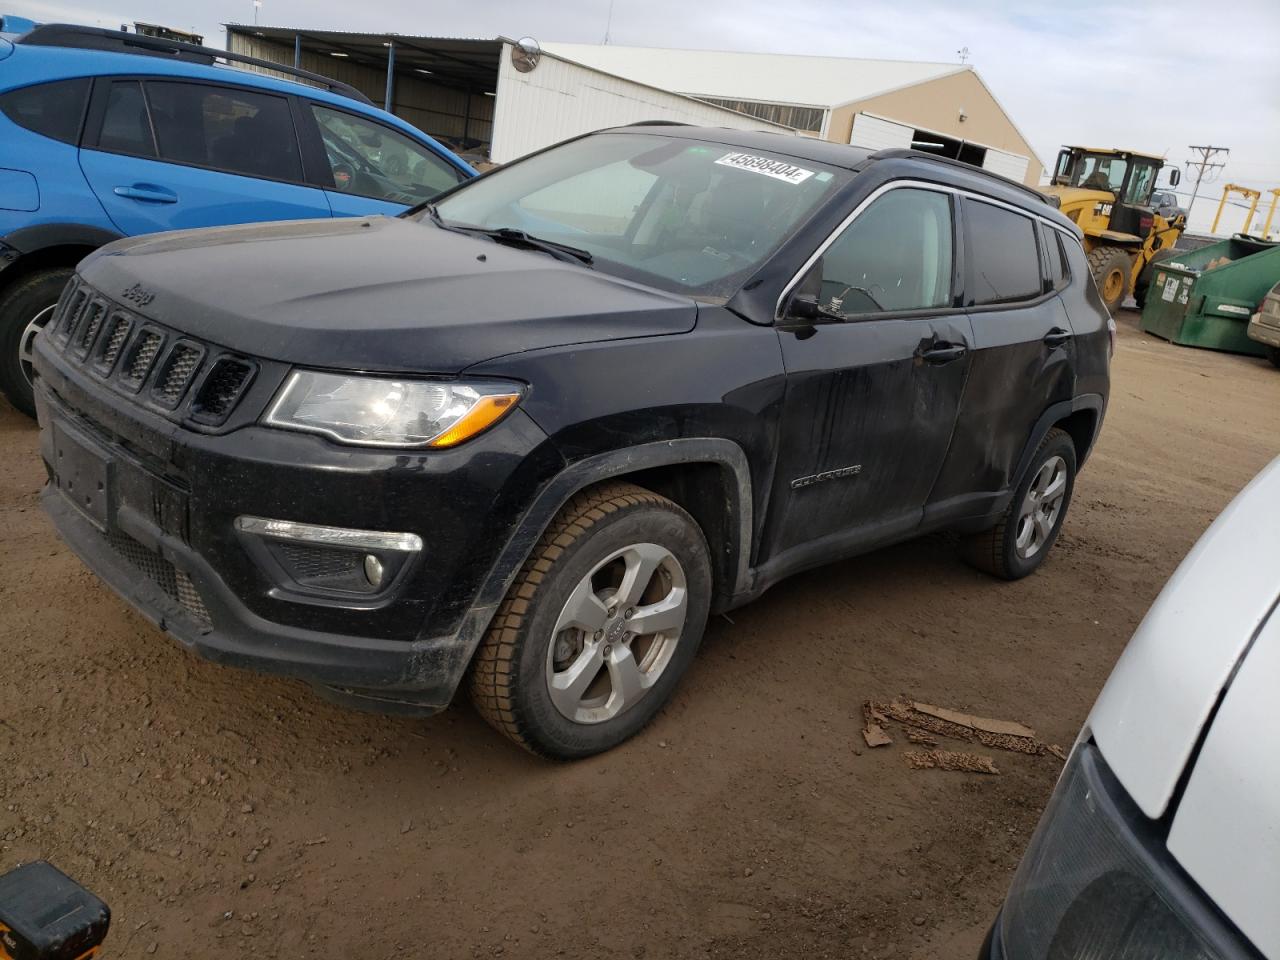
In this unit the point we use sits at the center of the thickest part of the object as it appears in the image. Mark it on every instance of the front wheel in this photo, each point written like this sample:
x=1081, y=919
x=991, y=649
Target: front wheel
x=1018, y=544
x=25, y=308
x=599, y=625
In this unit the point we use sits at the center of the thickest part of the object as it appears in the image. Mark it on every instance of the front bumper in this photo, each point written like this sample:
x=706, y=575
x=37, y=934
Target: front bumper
x=166, y=541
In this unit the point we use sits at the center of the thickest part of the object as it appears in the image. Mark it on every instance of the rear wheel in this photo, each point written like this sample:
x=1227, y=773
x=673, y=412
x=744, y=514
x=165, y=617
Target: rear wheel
x=1018, y=544
x=599, y=625
x=1110, y=267
x=25, y=308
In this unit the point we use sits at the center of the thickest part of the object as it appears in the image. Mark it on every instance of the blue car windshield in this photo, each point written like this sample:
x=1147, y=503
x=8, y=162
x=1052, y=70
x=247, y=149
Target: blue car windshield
x=689, y=216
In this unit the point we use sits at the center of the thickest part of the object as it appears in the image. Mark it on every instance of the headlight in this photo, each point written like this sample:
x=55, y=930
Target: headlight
x=389, y=412
x=1097, y=881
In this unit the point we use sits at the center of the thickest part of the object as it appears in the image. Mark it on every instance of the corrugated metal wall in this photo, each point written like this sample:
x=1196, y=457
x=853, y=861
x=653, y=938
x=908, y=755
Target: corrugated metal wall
x=433, y=108
x=560, y=99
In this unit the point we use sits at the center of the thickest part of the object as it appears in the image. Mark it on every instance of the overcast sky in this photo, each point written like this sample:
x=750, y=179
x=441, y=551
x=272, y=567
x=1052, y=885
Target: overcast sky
x=1155, y=76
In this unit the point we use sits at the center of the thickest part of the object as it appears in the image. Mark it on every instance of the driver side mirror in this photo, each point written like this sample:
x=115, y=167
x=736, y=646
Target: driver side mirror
x=805, y=305
x=1175, y=176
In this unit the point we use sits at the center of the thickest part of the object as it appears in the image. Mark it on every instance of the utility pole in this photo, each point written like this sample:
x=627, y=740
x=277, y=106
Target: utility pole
x=608, y=24
x=963, y=54
x=1206, y=156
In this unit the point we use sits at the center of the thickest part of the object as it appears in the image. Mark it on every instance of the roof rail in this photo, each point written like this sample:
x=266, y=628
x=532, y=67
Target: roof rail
x=894, y=153
x=117, y=41
x=657, y=123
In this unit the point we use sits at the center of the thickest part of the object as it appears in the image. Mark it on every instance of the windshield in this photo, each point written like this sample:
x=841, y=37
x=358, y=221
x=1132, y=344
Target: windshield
x=683, y=215
x=1094, y=172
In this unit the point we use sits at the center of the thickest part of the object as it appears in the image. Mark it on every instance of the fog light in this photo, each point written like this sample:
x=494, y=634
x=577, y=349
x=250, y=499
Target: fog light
x=373, y=570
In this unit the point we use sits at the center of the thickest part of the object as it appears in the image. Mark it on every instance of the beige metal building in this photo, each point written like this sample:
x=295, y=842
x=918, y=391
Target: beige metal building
x=943, y=107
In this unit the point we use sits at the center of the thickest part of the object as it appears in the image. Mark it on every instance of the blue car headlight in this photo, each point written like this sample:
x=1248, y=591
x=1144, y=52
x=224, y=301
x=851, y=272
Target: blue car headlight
x=1097, y=883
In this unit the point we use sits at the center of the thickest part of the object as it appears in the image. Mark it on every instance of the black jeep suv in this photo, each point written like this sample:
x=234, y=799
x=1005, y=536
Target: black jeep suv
x=531, y=435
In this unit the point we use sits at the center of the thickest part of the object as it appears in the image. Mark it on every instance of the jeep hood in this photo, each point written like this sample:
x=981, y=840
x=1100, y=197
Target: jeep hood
x=374, y=294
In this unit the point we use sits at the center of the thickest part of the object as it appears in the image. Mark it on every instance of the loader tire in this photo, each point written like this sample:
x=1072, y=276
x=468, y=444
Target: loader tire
x=1110, y=268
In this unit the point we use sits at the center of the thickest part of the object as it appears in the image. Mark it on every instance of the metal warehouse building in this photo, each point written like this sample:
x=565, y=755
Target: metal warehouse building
x=870, y=103
x=487, y=95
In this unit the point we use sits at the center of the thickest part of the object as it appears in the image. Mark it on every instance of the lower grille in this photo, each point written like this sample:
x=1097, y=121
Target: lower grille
x=174, y=582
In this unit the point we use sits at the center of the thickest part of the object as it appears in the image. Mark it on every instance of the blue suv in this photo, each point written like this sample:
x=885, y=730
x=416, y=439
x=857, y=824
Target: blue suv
x=105, y=134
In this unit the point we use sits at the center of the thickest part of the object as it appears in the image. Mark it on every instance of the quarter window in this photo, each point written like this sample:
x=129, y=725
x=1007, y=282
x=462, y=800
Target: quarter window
x=896, y=255
x=1002, y=253
x=238, y=131
x=372, y=160
x=51, y=109
x=1059, y=272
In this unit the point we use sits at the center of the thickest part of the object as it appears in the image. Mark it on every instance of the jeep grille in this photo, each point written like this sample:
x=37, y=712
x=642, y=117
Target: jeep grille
x=130, y=353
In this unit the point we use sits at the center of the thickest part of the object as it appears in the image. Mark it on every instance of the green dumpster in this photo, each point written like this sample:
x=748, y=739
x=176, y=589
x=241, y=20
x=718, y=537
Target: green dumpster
x=1205, y=297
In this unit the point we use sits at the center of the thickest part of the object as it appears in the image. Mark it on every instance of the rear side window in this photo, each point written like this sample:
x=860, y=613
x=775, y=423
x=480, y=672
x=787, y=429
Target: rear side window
x=51, y=109
x=1002, y=253
x=126, y=127
x=238, y=131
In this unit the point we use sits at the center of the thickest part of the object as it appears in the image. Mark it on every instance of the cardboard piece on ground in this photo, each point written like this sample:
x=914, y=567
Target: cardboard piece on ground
x=950, y=760
x=875, y=736
x=1007, y=728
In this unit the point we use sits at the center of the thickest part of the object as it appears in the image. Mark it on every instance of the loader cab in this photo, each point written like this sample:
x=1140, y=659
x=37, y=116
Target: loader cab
x=1130, y=178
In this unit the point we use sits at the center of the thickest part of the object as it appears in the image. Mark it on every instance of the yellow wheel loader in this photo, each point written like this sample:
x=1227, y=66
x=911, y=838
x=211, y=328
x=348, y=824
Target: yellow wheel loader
x=1107, y=194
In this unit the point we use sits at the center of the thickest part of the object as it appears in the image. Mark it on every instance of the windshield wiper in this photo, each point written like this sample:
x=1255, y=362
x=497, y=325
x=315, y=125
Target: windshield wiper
x=561, y=251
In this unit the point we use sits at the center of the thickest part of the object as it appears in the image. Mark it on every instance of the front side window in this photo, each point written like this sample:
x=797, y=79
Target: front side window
x=895, y=255
x=1004, y=261
x=237, y=131
x=372, y=160
x=688, y=215
x=51, y=109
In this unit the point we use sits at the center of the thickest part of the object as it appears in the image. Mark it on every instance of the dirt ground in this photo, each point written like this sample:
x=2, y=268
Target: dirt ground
x=220, y=810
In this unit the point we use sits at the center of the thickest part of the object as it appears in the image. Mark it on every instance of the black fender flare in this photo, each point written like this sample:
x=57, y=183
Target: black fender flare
x=42, y=236
x=613, y=464
x=1054, y=413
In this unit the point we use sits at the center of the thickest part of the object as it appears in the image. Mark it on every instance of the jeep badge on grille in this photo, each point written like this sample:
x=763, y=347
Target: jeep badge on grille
x=138, y=294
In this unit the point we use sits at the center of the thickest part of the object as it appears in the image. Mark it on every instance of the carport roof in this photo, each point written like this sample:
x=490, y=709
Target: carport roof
x=472, y=61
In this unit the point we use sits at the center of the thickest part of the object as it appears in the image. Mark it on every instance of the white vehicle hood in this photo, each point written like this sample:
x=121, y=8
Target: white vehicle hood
x=1164, y=687
x=1226, y=829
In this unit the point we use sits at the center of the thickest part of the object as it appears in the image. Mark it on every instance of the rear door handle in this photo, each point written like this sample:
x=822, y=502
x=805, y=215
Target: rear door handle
x=943, y=352
x=1056, y=337
x=147, y=192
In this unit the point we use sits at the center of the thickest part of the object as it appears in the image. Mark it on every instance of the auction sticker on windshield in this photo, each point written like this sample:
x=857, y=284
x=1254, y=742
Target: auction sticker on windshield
x=778, y=169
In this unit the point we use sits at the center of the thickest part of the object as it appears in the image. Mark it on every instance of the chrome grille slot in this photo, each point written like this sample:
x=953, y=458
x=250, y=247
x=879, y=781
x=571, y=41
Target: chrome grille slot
x=75, y=304
x=142, y=355
x=90, y=324
x=177, y=372
x=113, y=342
x=224, y=385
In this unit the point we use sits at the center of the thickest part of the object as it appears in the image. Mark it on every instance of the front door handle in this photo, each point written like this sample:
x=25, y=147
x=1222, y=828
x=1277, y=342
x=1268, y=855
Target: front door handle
x=943, y=352
x=1056, y=337
x=147, y=192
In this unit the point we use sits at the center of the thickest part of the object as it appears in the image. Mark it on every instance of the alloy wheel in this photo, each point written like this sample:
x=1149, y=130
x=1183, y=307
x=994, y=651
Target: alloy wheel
x=26, y=346
x=1041, y=507
x=616, y=633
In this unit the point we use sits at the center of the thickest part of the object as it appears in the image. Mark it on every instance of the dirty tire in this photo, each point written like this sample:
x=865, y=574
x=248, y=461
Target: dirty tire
x=1110, y=268
x=994, y=551
x=19, y=306
x=1273, y=354
x=509, y=675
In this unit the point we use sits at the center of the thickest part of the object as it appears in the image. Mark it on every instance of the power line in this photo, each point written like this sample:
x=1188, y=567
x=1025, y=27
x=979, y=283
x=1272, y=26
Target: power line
x=1206, y=157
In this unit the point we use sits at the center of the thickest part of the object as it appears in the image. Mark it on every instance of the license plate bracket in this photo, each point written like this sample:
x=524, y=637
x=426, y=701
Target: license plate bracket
x=83, y=473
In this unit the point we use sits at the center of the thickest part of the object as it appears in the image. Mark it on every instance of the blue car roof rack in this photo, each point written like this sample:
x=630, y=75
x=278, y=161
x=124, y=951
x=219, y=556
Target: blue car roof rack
x=117, y=41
